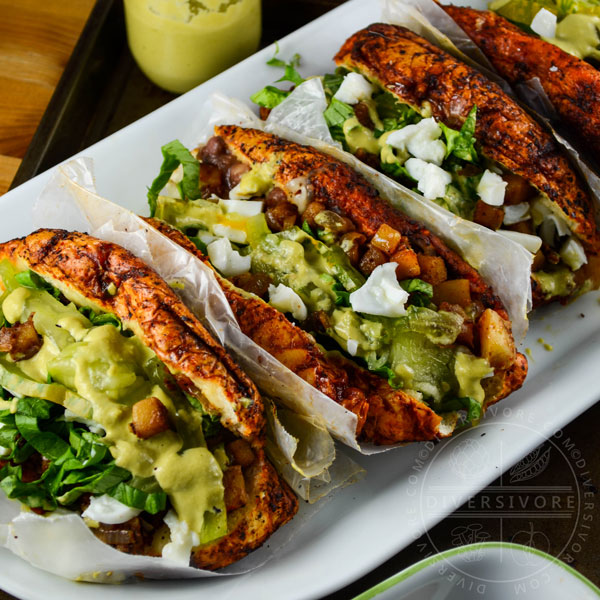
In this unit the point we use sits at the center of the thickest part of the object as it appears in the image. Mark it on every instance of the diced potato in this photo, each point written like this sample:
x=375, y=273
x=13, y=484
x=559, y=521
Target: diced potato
x=386, y=239
x=240, y=452
x=235, y=488
x=522, y=227
x=517, y=190
x=454, y=291
x=488, y=216
x=371, y=259
x=149, y=418
x=408, y=264
x=495, y=340
x=433, y=269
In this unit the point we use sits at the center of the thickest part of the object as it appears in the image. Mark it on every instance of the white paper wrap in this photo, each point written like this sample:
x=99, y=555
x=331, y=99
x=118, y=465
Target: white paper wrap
x=504, y=264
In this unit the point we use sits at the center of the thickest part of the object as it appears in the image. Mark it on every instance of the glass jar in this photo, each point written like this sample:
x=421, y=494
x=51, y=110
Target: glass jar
x=181, y=43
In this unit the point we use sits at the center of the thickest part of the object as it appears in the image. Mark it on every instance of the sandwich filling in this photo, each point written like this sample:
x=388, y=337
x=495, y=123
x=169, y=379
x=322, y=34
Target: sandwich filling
x=399, y=314
x=446, y=166
x=92, y=421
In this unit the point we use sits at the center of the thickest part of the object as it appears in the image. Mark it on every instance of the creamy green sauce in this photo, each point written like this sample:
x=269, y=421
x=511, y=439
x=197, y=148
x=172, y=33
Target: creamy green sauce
x=110, y=373
x=413, y=346
x=560, y=282
x=579, y=35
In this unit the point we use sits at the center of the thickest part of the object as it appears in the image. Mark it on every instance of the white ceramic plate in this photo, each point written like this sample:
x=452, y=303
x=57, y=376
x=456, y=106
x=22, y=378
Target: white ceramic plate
x=496, y=570
x=365, y=524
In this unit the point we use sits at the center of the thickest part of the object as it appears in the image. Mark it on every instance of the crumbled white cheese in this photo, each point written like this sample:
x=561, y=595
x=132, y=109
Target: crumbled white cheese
x=352, y=347
x=227, y=260
x=239, y=236
x=355, y=88
x=432, y=180
x=516, y=213
x=182, y=540
x=491, y=188
x=298, y=189
x=421, y=140
x=573, y=254
x=247, y=208
x=381, y=294
x=544, y=23
x=206, y=237
x=105, y=509
x=551, y=224
x=285, y=299
x=530, y=242
x=91, y=425
x=236, y=193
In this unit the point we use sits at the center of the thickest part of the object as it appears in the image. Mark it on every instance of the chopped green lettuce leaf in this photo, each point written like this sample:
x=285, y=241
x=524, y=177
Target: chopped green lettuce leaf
x=175, y=154
x=337, y=112
x=468, y=404
x=462, y=143
x=269, y=96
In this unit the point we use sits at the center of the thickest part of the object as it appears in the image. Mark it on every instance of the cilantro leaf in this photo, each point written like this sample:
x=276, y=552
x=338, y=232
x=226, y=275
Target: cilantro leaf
x=290, y=73
x=175, y=154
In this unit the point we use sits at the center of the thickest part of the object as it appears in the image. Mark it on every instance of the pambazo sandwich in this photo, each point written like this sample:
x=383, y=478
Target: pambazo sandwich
x=571, y=83
x=119, y=405
x=431, y=122
x=363, y=303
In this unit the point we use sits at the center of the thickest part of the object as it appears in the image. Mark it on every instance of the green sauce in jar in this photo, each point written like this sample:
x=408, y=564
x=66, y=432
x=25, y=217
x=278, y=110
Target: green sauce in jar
x=181, y=43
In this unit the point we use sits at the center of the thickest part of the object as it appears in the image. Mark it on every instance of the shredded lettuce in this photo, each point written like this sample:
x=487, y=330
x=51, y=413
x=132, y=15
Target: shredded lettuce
x=470, y=405
x=462, y=143
x=269, y=96
x=100, y=318
x=337, y=112
x=175, y=154
x=420, y=291
x=77, y=461
x=32, y=280
x=393, y=113
x=333, y=81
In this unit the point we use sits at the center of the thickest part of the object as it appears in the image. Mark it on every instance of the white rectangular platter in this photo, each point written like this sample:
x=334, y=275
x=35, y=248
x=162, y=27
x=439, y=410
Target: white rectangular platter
x=367, y=523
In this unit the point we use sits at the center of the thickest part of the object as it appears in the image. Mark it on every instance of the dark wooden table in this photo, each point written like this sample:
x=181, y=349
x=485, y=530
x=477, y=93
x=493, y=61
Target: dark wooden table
x=579, y=440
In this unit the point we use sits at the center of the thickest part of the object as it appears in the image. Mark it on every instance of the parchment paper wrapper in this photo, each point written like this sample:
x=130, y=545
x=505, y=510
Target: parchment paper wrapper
x=427, y=18
x=504, y=264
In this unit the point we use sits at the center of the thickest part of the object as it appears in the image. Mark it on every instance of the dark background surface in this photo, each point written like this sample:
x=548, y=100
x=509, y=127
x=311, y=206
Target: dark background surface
x=103, y=87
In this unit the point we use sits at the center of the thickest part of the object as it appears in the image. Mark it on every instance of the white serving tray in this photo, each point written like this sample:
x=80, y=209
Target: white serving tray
x=369, y=522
